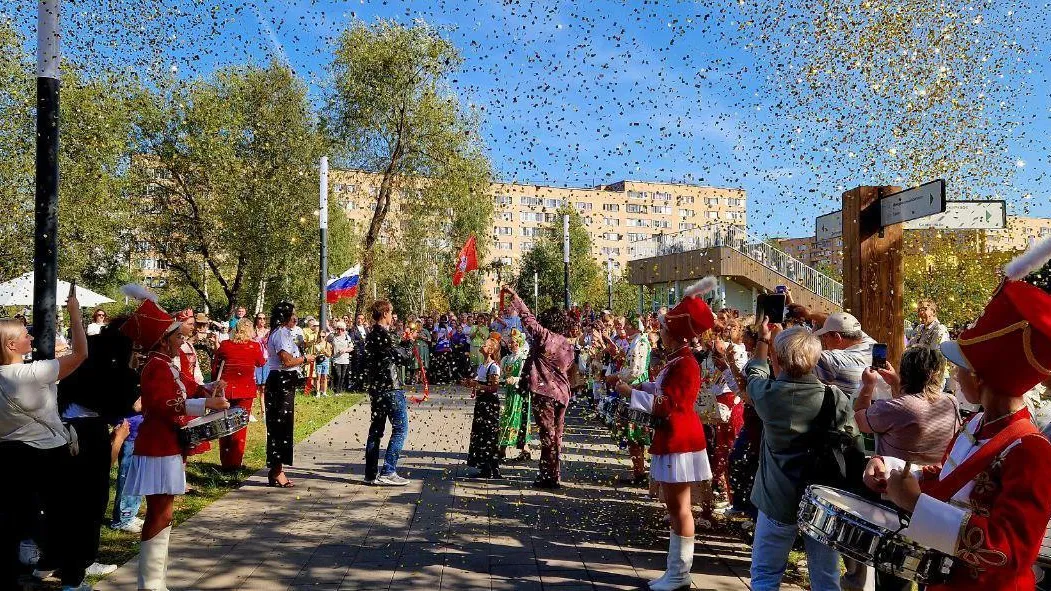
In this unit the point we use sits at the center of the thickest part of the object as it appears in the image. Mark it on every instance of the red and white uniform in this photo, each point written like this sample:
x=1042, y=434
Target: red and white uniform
x=994, y=524
x=678, y=449
x=239, y=362
x=157, y=466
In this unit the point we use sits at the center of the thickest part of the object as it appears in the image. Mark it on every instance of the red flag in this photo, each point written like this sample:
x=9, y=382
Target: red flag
x=467, y=262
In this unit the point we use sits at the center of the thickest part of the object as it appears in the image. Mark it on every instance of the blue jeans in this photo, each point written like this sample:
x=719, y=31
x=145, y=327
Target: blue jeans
x=125, y=508
x=773, y=541
x=386, y=406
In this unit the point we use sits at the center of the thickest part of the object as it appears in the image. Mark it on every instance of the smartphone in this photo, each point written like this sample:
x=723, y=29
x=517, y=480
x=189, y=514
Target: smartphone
x=879, y=355
x=771, y=305
x=781, y=289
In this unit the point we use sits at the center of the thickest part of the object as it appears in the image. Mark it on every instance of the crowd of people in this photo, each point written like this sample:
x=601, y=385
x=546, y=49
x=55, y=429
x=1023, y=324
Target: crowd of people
x=726, y=418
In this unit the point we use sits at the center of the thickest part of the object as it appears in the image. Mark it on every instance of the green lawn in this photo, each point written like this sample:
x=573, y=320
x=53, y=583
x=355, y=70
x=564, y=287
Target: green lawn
x=204, y=475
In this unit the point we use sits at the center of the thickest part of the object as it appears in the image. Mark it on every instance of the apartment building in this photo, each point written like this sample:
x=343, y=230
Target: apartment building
x=615, y=215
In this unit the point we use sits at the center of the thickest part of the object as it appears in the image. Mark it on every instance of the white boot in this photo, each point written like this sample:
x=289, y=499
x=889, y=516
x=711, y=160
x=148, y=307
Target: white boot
x=673, y=552
x=679, y=566
x=153, y=561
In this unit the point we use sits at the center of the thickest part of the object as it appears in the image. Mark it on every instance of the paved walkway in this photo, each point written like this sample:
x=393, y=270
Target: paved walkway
x=441, y=532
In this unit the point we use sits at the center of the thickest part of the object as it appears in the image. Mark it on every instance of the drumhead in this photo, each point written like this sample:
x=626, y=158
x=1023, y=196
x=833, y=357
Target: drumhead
x=209, y=418
x=855, y=505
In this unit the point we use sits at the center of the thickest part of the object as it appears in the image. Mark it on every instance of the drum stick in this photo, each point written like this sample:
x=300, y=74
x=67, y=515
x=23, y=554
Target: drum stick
x=219, y=373
x=907, y=469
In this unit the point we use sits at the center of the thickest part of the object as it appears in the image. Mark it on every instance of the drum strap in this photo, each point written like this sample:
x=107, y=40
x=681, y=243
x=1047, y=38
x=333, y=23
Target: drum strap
x=944, y=489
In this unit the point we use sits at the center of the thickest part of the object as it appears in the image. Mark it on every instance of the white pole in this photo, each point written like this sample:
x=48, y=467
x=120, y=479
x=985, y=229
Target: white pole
x=323, y=227
x=565, y=257
x=536, y=290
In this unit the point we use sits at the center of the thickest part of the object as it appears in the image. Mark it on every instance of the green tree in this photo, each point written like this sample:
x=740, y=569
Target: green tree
x=231, y=177
x=98, y=135
x=394, y=113
x=957, y=274
x=586, y=279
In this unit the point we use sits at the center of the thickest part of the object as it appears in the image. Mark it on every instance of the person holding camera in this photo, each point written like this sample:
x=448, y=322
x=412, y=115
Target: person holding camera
x=383, y=358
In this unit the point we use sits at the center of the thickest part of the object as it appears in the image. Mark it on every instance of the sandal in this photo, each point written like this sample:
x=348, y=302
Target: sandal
x=272, y=481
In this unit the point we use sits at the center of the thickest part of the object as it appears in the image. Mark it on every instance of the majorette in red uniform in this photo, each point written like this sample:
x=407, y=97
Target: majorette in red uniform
x=989, y=503
x=169, y=399
x=237, y=361
x=678, y=456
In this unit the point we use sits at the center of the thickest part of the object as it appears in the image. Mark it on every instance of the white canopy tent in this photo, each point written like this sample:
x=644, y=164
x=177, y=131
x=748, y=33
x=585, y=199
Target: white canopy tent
x=19, y=292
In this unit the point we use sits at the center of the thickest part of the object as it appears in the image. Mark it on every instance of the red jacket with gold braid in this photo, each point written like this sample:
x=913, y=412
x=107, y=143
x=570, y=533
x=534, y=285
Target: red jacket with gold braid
x=679, y=429
x=995, y=524
x=165, y=406
x=238, y=361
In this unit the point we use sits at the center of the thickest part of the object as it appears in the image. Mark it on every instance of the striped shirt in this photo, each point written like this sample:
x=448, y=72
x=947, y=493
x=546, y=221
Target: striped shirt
x=911, y=427
x=843, y=367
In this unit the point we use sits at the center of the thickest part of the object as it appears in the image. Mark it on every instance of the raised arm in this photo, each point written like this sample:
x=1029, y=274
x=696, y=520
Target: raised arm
x=69, y=363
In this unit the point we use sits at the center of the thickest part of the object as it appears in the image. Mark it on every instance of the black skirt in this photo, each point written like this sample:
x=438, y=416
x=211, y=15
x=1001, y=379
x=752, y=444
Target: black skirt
x=484, y=451
x=280, y=415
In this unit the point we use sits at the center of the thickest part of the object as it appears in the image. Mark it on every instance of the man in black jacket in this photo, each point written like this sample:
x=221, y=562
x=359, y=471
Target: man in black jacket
x=357, y=333
x=382, y=358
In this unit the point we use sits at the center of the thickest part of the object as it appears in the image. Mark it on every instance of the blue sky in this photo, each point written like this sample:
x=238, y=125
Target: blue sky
x=573, y=93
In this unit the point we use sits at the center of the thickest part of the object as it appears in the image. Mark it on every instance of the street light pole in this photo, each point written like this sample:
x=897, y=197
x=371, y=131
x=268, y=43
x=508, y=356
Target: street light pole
x=45, y=240
x=565, y=256
x=536, y=290
x=323, y=227
x=609, y=284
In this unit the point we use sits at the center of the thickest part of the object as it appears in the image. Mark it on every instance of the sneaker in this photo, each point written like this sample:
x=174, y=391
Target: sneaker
x=43, y=575
x=370, y=481
x=83, y=586
x=132, y=527
x=28, y=553
x=100, y=570
x=392, y=480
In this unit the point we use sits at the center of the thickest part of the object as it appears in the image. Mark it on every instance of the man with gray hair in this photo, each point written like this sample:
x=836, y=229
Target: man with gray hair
x=788, y=405
x=847, y=351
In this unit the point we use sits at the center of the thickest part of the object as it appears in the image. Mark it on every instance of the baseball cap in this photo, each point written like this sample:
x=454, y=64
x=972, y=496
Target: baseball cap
x=839, y=322
x=200, y=318
x=952, y=351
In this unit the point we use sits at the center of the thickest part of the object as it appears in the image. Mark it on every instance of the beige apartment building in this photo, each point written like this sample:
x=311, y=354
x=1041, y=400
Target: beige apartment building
x=616, y=214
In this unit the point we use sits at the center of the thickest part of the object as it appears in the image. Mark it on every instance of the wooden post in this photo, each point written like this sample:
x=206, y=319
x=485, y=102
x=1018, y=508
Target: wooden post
x=873, y=269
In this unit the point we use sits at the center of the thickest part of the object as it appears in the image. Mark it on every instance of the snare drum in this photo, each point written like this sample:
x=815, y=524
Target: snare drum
x=213, y=426
x=868, y=533
x=633, y=416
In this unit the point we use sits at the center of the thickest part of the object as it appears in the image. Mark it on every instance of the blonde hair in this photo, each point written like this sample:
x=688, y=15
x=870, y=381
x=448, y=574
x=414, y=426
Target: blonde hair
x=797, y=350
x=244, y=331
x=11, y=329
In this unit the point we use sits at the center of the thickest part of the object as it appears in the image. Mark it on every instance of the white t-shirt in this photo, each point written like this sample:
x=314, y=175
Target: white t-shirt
x=94, y=328
x=282, y=339
x=29, y=405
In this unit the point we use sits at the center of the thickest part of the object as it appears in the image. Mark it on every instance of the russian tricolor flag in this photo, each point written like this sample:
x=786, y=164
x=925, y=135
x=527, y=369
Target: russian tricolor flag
x=344, y=286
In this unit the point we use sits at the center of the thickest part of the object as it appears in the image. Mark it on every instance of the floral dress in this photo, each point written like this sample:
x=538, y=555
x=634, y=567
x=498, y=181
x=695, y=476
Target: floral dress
x=514, y=423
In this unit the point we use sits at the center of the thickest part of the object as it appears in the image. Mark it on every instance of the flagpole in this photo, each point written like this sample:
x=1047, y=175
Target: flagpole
x=565, y=256
x=323, y=227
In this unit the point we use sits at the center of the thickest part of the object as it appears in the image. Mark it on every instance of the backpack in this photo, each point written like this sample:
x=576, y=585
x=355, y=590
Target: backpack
x=837, y=455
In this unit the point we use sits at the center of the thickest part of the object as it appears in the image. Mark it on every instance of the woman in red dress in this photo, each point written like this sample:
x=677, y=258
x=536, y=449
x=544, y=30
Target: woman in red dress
x=238, y=357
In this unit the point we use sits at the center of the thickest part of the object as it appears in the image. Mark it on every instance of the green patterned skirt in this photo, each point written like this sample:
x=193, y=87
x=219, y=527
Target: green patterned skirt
x=516, y=418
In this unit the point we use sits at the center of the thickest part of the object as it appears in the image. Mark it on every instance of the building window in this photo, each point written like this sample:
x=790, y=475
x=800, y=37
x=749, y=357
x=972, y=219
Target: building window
x=686, y=199
x=711, y=201
x=637, y=223
x=711, y=215
x=532, y=232
x=636, y=208
x=587, y=220
x=554, y=203
x=610, y=207
x=527, y=245
x=531, y=201
x=504, y=246
x=504, y=231
x=613, y=236
x=636, y=195
x=662, y=209
x=633, y=237
x=611, y=221
x=737, y=202
x=583, y=206
x=503, y=200
x=529, y=216
x=687, y=225
x=660, y=224
x=658, y=196
x=550, y=217
x=506, y=216
x=687, y=213
x=608, y=250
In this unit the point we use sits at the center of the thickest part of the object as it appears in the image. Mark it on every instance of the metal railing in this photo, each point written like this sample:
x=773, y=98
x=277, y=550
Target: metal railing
x=737, y=238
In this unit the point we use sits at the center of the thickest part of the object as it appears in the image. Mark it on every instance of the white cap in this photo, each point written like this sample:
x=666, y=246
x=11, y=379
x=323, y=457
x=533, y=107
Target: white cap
x=839, y=322
x=951, y=350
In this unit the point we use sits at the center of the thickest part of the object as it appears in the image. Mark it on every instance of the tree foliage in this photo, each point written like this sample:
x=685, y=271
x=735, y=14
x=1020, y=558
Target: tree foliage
x=98, y=134
x=545, y=260
x=393, y=113
x=231, y=177
x=953, y=270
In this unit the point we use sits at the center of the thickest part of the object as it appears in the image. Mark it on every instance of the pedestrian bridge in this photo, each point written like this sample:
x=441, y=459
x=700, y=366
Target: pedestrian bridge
x=665, y=265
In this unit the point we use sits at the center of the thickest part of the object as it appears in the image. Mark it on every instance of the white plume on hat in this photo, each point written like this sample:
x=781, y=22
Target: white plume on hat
x=1031, y=260
x=136, y=291
x=701, y=287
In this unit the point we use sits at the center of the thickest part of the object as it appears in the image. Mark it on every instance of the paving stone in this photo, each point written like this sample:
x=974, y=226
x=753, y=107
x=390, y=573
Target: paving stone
x=443, y=531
